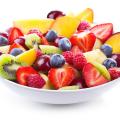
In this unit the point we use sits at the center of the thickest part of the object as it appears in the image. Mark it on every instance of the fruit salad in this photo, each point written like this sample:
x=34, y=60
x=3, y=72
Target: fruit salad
x=60, y=52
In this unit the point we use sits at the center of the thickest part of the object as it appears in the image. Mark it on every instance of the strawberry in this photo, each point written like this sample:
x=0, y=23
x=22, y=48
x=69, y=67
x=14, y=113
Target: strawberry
x=84, y=25
x=61, y=77
x=23, y=73
x=16, y=45
x=75, y=50
x=92, y=76
x=103, y=31
x=85, y=40
x=14, y=34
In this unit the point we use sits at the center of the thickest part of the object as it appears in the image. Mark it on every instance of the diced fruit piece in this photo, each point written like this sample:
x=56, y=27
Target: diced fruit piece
x=86, y=15
x=61, y=77
x=15, y=51
x=23, y=73
x=26, y=25
x=75, y=50
x=57, y=40
x=5, y=49
x=85, y=40
x=3, y=41
x=39, y=53
x=55, y=14
x=57, y=60
x=103, y=31
x=102, y=69
x=116, y=57
x=64, y=44
x=42, y=63
x=31, y=40
x=51, y=36
x=83, y=26
x=95, y=56
x=27, y=57
x=109, y=63
x=114, y=72
x=4, y=34
x=65, y=26
x=79, y=61
x=92, y=76
x=74, y=87
x=113, y=41
x=97, y=44
x=106, y=49
x=35, y=81
x=47, y=49
x=14, y=34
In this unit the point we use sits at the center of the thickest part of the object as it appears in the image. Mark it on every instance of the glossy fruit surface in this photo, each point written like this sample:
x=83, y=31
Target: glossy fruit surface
x=3, y=41
x=116, y=57
x=16, y=51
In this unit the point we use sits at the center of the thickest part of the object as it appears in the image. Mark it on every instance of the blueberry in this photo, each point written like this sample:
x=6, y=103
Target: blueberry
x=16, y=51
x=64, y=44
x=57, y=60
x=106, y=49
x=51, y=36
x=109, y=63
x=3, y=41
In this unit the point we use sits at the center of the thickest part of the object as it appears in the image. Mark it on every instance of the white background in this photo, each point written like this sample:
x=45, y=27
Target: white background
x=13, y=107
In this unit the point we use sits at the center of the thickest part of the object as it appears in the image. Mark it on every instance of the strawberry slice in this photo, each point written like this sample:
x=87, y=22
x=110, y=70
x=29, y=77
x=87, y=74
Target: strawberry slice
x=23, y=73
x=92, y=76
x=14, y=34
x=103, y=31
x=61, y=77
x=16, y=45
x=75, y=49
x=85, y=40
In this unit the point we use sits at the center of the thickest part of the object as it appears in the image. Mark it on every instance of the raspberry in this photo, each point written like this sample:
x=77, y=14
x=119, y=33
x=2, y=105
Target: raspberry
x=68, y=55
x=35, y=31
x=114, y=72
x=36, y=81
x=83, y=26
x=79, y=61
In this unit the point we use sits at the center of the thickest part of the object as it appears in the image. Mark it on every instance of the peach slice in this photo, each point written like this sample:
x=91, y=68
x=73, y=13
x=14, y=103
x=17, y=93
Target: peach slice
x=86, y=15
x=114, y=42
x=66, y=25
x=25, y=25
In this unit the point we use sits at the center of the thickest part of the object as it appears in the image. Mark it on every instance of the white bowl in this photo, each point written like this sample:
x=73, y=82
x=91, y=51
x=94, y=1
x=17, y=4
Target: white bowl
x=60, y=96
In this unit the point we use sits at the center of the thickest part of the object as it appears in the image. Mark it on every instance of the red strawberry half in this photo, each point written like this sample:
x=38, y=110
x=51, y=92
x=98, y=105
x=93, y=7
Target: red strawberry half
x=14, y=34
x=23, y=73
x=61, y=77
x=92, y=76
x=103, y=31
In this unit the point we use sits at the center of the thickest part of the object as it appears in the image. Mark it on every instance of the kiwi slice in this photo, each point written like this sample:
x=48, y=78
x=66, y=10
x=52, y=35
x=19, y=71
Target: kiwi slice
x=47, y=49
x=74, y=87
x=31, y=40
x=8, y=66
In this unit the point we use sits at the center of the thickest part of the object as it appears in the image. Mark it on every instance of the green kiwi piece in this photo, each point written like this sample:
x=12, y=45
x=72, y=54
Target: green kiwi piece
x=74, y=87
x=31, y=40
x=47, y=49
x=8, y=66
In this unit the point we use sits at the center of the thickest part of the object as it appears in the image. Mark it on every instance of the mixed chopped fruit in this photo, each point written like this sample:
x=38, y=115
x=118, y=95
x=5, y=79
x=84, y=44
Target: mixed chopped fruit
x=62, y=52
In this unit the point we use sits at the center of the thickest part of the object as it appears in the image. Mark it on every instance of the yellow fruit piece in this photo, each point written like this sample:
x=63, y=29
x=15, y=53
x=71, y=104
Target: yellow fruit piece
x=65, y=26
x=25, y=25
x=86, y=15
x=97, y=44
x=95, y=56
x=27, y=57
x=4, y=49
x=114, y=42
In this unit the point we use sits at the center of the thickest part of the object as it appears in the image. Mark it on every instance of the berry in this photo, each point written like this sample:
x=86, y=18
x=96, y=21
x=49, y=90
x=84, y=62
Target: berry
x=42, y=63
x=55, y=14
x=16, y=51
x=106, y=49
x=116, y=57
x=51, y=36
x=79, y=61
x=83, y=26
x=57, y=60
x=64, y=44
x=3, y=41
x=35, y=81
x=57, y=40
x=4, y=34
x=68, y=55
x=109, y=63
x=22, y=74
x=39, y=53
x=114, y=72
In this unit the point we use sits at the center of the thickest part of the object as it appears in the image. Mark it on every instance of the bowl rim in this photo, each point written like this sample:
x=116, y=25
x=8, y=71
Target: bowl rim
x=60, y=91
